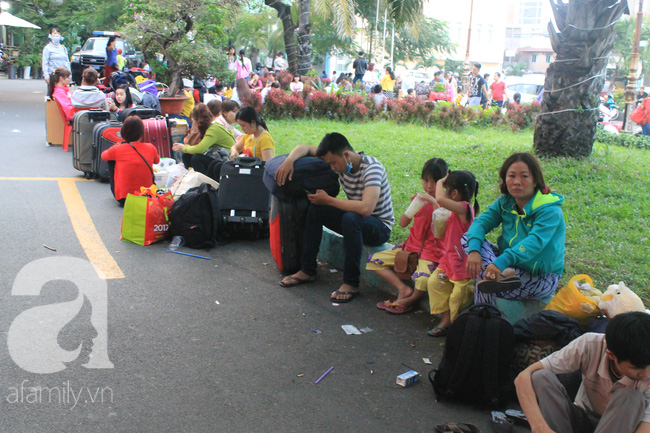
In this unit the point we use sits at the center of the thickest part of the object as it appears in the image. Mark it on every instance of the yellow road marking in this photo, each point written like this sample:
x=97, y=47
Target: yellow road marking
x=88, y=237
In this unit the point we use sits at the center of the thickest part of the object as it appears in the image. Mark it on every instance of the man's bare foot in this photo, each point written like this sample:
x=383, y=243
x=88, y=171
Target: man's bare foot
x=344, y=294
x=298, y=278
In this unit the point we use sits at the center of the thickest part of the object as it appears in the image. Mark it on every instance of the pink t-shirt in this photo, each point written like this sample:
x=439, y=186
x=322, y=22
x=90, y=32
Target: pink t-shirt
x=62, y=96
x=454, y=259
x=422, y=227
x=497, y=90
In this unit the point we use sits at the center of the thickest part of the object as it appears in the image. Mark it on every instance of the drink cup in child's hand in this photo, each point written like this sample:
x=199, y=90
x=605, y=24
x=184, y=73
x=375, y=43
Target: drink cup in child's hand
x=415, y=206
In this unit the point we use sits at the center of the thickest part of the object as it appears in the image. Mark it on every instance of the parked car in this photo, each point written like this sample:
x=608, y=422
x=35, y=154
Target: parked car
x=93, y=53
x=527, y=86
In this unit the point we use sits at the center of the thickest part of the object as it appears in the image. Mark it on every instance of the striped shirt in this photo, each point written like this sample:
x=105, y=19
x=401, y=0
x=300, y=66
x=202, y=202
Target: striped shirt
x=371, y=173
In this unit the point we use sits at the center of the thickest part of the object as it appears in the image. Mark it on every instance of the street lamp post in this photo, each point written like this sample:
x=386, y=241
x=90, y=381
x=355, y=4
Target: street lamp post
x=630, y=97
x=466, y=68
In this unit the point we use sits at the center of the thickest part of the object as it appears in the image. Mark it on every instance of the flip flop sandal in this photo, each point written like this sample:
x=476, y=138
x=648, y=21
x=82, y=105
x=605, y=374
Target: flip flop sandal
x=383, y=304
x=297, y=281
x=351, y=295
x=461, y=427
x=501, y=423
x=442, y=333
x=518, y=417
x=398, y=309
x=493, y=286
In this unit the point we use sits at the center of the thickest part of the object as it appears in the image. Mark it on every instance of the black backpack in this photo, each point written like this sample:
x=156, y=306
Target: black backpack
x=477, y=363
x=196, y=217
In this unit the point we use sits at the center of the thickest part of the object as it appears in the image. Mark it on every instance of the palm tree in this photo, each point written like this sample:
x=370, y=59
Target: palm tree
x=567, y=124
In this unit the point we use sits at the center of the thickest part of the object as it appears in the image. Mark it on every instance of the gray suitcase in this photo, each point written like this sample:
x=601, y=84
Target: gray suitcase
x=83, y=124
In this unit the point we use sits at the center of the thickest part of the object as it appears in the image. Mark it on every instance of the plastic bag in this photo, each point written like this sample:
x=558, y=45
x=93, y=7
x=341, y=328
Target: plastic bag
x=571, y=302
x=439, y=222
x=146, y=216
x=174, y=173
x=190, y=180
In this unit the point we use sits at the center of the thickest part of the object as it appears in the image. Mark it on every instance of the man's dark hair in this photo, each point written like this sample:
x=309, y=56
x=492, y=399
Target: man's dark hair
x=89, y=76
x=435, y=74
x=333, y=143
x=627, y=337
x=218, y=87
x=361, y=53
x=478, y=66
x=275, y=85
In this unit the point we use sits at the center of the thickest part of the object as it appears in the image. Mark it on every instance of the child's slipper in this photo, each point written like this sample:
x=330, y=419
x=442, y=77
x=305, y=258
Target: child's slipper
x=383, y=304
x=398, y=309
x=501, y=423
x=494, y=286
x=518, y=417
x=461, y=427
x=337, y=292
x=442, y=331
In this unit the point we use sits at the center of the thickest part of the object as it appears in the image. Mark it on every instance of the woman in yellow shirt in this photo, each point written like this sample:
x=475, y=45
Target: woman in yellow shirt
x=388, y=83
x=256, y=141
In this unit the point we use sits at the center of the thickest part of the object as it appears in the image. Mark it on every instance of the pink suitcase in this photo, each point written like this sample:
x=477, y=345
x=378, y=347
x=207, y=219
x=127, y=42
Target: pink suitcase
x=157, y=133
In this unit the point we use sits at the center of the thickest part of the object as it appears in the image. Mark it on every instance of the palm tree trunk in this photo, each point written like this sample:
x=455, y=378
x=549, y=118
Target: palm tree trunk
x=284, y=13
x=567, y=124
x=304, y=38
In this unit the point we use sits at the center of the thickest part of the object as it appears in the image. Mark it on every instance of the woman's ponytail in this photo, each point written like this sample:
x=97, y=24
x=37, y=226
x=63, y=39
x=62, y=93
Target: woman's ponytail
x=54, y=78
x=477, y=208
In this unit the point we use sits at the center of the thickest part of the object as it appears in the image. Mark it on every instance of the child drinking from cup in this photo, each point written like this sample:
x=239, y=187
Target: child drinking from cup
x=451, y=287
x=421, y=239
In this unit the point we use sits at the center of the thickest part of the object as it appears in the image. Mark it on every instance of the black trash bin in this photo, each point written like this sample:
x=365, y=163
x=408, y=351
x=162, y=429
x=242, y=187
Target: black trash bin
x=11, y=72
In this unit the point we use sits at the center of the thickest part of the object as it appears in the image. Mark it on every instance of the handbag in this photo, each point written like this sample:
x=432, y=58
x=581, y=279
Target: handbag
x=639, y=115
x=406, y=262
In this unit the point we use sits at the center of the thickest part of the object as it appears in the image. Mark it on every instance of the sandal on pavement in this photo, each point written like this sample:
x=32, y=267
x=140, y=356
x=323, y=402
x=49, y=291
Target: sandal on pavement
x=494, y=286
x=295, y=281
x=518, y=417
x=461, y=427
x=441, y=331
x=398, y=309
x=383, y=304
x=337, y=292
x=501, y=423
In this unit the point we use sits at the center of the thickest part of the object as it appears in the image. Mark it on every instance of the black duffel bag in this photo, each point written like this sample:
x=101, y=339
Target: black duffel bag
x=309, y=174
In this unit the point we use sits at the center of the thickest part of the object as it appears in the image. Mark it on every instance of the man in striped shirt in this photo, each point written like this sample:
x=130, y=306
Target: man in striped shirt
x=366, y=217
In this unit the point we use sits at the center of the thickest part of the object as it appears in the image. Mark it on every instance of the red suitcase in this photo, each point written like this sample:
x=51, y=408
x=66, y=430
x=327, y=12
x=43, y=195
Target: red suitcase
x=157, y=133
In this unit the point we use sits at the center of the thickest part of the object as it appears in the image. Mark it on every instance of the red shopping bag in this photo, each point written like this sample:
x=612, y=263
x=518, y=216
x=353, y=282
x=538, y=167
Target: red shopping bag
x=146, y=216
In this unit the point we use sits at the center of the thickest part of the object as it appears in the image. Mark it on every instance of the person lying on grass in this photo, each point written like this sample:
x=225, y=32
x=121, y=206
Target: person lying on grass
x=420, y=240
x=615, y=392
x=366, y=217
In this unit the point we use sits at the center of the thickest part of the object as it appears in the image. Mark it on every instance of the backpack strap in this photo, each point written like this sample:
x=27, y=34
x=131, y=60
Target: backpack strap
x=472, y=336
x=491, y=356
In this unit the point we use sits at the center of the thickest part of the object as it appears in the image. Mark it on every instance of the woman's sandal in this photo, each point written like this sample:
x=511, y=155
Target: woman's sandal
x=501, y=423
x=461, y=427
x=399, y=309
x=383, y=304
x=496, y=286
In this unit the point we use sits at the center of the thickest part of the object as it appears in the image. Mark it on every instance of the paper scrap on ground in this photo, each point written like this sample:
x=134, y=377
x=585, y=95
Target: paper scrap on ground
x=426, y=361
x=351, y=330
x=216, y=302
x=15, y=130
x=333, y=271
x=335, y=304
x=364, y=330
x=316, y=331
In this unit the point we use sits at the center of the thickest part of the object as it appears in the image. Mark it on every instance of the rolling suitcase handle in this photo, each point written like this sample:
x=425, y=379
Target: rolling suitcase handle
x=248, y=162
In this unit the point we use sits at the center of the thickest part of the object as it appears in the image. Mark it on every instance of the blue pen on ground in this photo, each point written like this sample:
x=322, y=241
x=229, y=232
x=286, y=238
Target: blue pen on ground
x=188, y=254
x=324, y=374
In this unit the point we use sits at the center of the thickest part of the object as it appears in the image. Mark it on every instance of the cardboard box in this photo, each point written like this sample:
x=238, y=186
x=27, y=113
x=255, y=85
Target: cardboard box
x=408, y=378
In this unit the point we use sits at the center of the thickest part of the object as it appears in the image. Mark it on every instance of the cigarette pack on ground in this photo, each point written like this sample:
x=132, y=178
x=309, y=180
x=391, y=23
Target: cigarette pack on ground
x=408, y=378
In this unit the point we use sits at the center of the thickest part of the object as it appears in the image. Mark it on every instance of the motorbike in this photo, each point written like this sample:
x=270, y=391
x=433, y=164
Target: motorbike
x=612, y=107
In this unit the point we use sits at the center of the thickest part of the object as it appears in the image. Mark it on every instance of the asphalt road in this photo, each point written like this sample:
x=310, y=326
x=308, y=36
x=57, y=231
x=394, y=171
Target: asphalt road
x=196, y=345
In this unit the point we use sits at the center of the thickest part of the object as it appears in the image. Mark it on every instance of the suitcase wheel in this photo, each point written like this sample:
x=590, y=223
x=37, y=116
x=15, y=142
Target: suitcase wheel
x=89, y=175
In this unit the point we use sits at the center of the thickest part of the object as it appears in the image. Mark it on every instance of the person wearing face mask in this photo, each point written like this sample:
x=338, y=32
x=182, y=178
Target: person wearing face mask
x=54, y=55
x=366, y=217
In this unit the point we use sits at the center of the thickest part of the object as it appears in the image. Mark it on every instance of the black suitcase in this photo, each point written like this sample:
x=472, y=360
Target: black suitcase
x=243, y=199
x=286, y=225
x=141, y=112
x=83, y=125
x=309, y=174
x=105, y=135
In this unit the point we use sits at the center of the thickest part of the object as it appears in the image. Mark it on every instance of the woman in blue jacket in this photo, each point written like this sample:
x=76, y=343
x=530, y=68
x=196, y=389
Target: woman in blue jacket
x=528, y=261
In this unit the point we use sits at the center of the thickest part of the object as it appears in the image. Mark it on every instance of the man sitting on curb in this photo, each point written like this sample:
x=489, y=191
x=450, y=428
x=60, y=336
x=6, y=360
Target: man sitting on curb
x=365, y=217
x=615, y=392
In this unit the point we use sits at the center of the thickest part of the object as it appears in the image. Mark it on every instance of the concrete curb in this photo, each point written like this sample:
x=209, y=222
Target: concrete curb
x=331, y=249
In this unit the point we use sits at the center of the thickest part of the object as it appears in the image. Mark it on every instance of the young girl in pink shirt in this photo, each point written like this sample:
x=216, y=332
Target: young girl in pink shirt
x=451, y=287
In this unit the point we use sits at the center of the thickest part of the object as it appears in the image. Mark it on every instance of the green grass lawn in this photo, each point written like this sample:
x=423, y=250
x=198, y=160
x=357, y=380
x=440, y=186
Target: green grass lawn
x=607, y=197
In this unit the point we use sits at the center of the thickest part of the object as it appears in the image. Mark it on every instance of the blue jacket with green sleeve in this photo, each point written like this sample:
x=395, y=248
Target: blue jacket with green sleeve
x=532, y=241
